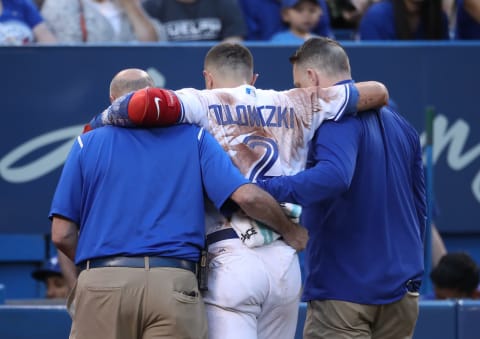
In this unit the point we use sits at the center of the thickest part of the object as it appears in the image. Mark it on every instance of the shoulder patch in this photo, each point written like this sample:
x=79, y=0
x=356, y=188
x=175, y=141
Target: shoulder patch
x=250, y=91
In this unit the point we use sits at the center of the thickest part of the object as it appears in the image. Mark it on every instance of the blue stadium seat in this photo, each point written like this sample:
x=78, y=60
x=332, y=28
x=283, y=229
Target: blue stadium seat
x=20, y=255
x=468, y=319
x=436, y=320
x=34, y=321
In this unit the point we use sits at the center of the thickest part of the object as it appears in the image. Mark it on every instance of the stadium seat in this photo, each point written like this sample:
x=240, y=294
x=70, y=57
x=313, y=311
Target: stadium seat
x=34, y=321
x=468, y=319
x=20, y=254
x=436, y=320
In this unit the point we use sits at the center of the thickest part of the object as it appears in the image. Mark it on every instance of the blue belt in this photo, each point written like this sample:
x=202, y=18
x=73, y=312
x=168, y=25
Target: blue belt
x=139, y=262
x=227, y=233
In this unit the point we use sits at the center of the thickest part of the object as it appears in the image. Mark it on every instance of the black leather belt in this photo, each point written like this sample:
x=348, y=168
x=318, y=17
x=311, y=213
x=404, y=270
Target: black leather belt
x=139, y=262
x=227, y=233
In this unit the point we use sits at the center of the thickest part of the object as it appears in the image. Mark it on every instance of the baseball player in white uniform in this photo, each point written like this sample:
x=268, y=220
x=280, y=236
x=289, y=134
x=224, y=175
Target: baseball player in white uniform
x=253, y=292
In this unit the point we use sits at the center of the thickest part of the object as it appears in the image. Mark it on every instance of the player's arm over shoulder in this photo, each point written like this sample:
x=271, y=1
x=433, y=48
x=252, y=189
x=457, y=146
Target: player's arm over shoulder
x=147, y=107
x=160, y=107
x=371, y=95
x=354, y=97
x=335, y=101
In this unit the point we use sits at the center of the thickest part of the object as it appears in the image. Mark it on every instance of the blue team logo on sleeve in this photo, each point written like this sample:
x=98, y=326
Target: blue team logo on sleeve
x=250, y=91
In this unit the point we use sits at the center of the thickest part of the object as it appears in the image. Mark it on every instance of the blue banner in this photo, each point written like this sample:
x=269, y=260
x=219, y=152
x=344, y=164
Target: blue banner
x=48, y=93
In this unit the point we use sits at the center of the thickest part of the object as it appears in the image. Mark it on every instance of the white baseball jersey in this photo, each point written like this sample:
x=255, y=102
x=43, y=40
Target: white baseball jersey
x=265, y=132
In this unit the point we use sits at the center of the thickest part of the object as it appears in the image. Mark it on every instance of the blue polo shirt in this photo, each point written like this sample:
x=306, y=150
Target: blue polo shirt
x=136, y=192
x=364, y=208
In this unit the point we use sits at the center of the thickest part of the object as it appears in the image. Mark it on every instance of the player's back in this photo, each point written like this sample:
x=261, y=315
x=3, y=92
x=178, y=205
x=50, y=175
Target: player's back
x=265, y=132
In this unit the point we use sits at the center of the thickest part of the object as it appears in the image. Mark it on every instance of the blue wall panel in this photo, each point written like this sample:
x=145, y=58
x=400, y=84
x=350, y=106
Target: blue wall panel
x=436, y=319
x=48, y=93
x=468, y=315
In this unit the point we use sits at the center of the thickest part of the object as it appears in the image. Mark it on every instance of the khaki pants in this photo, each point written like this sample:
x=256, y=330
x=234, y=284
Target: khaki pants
x=345, y=320
x=129, y=303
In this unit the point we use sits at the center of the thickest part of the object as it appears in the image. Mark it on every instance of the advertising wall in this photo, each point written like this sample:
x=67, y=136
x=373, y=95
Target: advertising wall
x=48, y=93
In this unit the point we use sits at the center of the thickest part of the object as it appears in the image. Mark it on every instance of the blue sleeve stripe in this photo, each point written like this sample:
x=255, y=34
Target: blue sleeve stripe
x=80, y=142
x=182, y=112
x=344, y=105
x=200, y=134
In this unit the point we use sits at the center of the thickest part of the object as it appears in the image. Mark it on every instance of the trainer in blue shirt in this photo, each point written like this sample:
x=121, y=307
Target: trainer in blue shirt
x=129, y=210
x=364, y=208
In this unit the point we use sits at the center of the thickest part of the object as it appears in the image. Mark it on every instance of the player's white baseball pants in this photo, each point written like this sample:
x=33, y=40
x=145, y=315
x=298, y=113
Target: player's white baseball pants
x=253, y=292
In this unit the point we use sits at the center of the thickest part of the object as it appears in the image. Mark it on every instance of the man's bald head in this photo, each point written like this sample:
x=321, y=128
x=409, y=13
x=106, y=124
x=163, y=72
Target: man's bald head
x=129, y=80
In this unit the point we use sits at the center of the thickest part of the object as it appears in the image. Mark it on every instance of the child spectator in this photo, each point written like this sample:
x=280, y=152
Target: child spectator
x=456, y=277
x=263, y=19
x=301, y=16
x=51, y=274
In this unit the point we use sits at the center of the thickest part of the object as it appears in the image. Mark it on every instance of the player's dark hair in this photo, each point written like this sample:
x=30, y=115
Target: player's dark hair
x=323, y=54
x=456, y=271
x=230, y=57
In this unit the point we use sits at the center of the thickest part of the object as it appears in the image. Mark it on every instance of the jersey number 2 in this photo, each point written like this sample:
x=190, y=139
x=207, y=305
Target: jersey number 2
x=267, y=161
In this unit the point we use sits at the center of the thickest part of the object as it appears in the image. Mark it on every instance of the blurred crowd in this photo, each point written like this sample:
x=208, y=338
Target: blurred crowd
x=24, y=22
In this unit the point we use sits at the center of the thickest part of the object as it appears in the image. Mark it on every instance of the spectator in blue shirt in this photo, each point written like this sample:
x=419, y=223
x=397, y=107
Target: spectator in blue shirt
x=363, y=199
x=301, y=16
x=263, y=19
x=404, y=20
x=22, y=24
